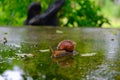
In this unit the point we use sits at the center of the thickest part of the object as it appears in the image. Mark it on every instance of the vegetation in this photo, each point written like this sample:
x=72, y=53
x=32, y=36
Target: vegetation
x=111, y=10
x=83, y=13
x=74, y=13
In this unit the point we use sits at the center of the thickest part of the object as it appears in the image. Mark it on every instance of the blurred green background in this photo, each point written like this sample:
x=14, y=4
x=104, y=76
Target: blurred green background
x=75, y=13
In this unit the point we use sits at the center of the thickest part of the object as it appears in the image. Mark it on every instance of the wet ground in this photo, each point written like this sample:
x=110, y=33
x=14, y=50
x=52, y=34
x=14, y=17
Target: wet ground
x=25, y=54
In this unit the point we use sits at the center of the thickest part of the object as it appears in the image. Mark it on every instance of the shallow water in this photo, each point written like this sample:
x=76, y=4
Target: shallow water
x=27, y=49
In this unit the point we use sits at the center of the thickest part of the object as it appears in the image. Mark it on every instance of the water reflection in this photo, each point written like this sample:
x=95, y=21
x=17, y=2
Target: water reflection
x=64, y=61
x=104, y=72
x=107, y=70
x=111, y=46
x=13, y=36
x=15, y=74
x=99, y=62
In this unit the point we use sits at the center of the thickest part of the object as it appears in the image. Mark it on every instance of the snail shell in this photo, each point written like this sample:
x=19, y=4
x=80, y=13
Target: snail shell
x=67, y=45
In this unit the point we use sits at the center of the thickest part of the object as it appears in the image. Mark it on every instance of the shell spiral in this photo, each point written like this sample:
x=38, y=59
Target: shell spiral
x=67, y=45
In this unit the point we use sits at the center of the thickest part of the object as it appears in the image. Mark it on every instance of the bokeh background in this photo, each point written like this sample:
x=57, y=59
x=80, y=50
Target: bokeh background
x=75, y=13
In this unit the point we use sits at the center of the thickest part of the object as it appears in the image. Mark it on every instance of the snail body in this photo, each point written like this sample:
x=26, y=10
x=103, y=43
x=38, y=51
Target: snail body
x=61, y=53
x=64, y=48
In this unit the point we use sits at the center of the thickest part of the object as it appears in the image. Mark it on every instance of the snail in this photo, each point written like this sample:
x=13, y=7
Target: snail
x=67, y=45
x=64, y=48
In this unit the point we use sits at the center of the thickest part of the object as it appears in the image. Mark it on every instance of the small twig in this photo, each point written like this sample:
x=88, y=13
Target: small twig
x=4, y=40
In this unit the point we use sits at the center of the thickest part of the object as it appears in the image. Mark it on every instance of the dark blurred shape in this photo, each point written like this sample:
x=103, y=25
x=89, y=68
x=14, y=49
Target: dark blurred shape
x=33, y=10
x=48, y=18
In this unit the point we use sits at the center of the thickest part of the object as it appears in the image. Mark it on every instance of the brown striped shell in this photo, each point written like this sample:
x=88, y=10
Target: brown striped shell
x=67, y=45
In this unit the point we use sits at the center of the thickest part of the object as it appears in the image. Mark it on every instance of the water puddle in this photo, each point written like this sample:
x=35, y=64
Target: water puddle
x=97, y=55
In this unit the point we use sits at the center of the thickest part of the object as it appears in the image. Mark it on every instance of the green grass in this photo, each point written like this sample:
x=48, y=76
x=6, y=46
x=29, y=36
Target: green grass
x=111, y=11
